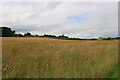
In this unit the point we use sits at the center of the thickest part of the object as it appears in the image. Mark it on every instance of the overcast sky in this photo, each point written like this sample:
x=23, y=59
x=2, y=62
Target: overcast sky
x=74, y=19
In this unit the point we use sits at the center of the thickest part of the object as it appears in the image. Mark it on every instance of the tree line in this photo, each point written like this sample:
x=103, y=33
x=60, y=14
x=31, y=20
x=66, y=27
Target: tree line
x=8, y=32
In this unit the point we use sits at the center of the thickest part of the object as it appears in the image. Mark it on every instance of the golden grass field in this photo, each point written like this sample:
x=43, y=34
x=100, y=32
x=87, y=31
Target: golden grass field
x=55, y=58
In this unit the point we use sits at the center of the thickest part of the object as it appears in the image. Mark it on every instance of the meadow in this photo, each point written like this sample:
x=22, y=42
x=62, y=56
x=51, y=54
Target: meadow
x=55, y=58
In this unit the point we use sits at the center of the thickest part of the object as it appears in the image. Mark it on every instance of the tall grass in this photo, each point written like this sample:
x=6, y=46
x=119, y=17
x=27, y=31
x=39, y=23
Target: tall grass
x=54, y=58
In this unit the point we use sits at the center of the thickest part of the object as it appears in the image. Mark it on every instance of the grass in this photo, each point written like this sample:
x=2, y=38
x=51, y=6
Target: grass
x=113, y=73
x=54, y=58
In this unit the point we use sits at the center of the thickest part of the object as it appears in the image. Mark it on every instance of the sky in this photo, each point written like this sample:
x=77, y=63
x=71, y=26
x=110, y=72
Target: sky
x=59, y=0
x=74, y=19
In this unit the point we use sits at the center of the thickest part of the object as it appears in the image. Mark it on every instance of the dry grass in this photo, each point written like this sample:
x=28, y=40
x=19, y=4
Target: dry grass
x=54, y=58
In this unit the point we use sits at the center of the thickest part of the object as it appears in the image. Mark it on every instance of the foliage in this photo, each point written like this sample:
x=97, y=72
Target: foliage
x=18, y=35
x=7, y=32
x=27, y=34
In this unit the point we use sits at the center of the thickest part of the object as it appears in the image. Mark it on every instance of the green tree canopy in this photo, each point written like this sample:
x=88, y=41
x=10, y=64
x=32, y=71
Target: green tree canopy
x=27, y=34
x=6, y=32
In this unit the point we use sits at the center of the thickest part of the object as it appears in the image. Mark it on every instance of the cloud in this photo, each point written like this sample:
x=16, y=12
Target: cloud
x=60, y=0
x=75, y=19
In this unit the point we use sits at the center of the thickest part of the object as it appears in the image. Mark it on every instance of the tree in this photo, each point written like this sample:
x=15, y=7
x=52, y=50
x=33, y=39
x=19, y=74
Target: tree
x=100, y=38
x=7, y=32
x=13, y=32
x=27, y=34
x=0, y=32
x=36, y=35
x=109, y=38
x=63, y=36
x=18, y=35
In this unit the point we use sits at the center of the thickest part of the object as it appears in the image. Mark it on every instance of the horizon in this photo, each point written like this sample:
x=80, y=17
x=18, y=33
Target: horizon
x=42, y=35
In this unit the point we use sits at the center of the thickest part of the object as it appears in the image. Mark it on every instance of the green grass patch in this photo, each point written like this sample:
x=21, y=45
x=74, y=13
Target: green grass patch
x=113, y=73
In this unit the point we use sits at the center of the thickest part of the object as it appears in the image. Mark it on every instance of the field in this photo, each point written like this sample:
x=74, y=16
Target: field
x=55, y=58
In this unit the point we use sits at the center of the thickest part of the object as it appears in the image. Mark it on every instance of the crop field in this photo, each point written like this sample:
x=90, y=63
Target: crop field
x=55, y=58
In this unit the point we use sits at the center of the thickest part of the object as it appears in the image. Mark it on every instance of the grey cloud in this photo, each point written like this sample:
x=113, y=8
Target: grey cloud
x=51, y=18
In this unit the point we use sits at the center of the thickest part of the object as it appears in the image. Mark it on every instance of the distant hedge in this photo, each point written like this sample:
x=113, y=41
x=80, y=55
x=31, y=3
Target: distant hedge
x=8, y=32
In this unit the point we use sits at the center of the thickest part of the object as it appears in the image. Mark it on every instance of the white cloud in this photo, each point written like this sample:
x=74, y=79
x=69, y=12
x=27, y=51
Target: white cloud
x=52, y=18
x=59, y=0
